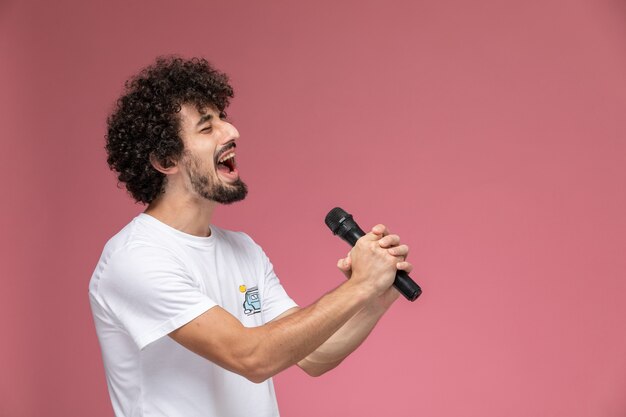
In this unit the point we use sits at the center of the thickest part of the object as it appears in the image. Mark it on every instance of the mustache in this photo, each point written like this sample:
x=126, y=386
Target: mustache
x=229, y=145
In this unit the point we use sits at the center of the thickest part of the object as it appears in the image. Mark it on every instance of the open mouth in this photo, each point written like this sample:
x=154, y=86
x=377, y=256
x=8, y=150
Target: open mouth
x=226, y=163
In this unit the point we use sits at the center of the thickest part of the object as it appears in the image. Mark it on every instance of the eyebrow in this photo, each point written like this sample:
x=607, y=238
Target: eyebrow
x=204, y=118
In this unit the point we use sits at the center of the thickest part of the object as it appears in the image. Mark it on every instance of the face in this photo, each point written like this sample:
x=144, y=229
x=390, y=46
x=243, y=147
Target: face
x=208, y=161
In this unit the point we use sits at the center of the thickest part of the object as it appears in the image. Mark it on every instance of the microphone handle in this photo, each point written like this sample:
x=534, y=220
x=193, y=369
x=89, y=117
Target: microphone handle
x=403, y=282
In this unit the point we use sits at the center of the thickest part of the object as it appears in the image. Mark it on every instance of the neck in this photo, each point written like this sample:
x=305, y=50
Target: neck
x=188, y=214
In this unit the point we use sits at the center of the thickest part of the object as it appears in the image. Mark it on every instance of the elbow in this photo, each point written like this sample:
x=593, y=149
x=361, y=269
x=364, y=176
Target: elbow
x=257, y=378
x=316, y=369
x=256, y=371
x=255, y=362
x=256, y=375
x=315, y=372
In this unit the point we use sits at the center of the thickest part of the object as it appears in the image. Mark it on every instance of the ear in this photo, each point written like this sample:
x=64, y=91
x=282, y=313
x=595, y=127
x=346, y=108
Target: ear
x=166, y=166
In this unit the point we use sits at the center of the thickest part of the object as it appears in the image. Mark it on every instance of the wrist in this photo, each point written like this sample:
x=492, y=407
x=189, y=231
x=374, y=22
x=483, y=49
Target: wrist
x=382, y=303
x=359, y=291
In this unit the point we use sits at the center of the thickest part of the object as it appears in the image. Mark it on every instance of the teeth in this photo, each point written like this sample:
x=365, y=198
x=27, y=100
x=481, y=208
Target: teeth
x=227, y=157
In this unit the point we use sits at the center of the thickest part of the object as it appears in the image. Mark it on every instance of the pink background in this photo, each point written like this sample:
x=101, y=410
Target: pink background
x=489, y=134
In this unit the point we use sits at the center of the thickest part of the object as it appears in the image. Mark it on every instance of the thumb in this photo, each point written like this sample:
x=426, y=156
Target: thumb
x=344, y=264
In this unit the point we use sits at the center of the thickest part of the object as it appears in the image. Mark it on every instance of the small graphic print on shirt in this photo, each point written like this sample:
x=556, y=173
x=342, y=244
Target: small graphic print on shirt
x=252, y=303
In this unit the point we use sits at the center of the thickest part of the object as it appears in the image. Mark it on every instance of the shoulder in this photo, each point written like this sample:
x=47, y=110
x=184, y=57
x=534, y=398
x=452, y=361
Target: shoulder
x=135, y=261
x=136, y=244
x=134, y=257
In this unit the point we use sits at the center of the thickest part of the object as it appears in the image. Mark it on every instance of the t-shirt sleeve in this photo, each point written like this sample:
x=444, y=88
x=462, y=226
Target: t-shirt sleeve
x=150, y=293
x=275, y=300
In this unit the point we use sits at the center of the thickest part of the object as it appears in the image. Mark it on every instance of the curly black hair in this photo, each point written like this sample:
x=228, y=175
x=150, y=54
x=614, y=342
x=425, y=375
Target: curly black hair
x=145, y=121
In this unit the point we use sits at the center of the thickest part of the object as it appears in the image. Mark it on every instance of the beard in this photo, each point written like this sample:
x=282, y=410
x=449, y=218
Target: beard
x=210, y=187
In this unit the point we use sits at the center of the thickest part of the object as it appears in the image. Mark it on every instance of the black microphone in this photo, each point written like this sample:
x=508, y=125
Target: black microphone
x=342, y=224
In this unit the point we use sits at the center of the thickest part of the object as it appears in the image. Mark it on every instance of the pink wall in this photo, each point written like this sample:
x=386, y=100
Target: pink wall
x=490, y=135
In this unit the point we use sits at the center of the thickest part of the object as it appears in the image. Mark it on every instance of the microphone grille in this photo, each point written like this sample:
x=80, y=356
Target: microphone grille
x=334, y=218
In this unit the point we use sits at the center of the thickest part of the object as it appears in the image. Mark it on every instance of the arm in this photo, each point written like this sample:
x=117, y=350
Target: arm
x=344, y=341
x=350, y=336
x=260, y=352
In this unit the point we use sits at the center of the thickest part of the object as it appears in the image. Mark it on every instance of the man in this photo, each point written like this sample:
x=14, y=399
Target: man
x=191, y=319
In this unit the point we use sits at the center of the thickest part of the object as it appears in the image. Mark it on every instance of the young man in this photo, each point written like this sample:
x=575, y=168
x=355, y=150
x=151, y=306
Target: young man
x=191, y=319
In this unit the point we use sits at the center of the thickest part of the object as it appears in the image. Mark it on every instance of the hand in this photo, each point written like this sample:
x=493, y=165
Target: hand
x=392, y=244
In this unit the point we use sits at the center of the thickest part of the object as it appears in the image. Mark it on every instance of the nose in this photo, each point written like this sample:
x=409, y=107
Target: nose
x=230, y=132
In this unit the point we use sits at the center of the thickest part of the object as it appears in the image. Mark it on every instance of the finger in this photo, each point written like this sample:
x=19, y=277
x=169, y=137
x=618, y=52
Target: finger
x=344, y=264
x=389, y=241
x=404, y=266
x=380, y=230
x=401, y=250
x=371, y=236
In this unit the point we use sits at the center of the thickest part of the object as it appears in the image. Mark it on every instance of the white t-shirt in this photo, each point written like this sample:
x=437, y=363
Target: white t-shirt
x=152, y=279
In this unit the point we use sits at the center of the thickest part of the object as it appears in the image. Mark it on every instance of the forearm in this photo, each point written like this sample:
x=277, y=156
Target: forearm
x=258, y=353
x=345, y=341
x=285, y=342
x=355, y=331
